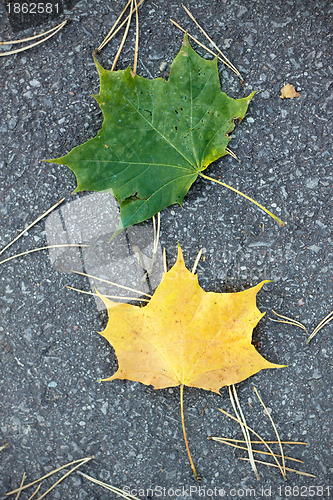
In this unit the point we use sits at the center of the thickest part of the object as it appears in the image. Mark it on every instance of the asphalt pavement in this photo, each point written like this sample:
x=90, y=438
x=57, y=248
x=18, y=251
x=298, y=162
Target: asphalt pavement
x=53, y=407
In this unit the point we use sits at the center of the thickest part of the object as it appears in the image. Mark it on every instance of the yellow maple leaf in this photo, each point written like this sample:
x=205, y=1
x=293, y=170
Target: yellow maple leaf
x=186, y=336
x=289, y=92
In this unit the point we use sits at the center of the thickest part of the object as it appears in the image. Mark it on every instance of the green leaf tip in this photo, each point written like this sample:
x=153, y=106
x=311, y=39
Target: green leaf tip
x=157, y=135
x=99, y=67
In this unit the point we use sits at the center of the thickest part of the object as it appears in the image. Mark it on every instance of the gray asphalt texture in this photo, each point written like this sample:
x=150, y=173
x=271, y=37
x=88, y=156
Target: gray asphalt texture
x=53, y=409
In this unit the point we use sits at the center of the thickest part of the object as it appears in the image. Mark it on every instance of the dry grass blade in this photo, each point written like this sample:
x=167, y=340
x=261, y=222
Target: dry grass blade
x=49, y=474
x=235, y=70
x=112, y=283
x=196, y=262
x=16, y=51
x=261, y=452
x=289, y=321
x=287, y=468
x=84, y=461
x=42, y=248
x=258, y=436
x=106, y=39
x=118, y=491
x=3, y=446
x=276, y=432
x=201, y=44
x=124, y=37
x=115, y=297
x=215, y=438
x=20, y=489
x=35, y=492
x=31, y=225
x=321, y=325
x=233, y=397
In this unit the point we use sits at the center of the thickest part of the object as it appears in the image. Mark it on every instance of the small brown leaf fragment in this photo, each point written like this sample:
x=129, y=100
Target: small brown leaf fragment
x=289, y=92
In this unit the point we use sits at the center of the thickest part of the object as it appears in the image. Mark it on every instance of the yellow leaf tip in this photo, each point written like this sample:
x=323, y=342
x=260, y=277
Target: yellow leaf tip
x=180, y=257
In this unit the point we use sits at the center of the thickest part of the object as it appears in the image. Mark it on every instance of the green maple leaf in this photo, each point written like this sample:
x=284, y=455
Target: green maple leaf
x=157, y=135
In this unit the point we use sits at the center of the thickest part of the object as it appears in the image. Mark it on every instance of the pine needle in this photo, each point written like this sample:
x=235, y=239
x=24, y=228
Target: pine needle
x=165, y=266
x=256, y=434
x=117, y=297
x=215, y=438
x=124, y=37
x=35, y=492
x=321, y=325
x=80, y=461
x=201, y=44
x=16, y=51
x=196, y=262
x=42, y=248
x=259, y=451
x=31, y=225
x=289, y=321
x=84, y=461
x=115, y=490
x=3, y=446
x=226, y=60
x=109, y=38
x=136, y=49
x=114, y=284
x=276, y=432
x=106, y=39
x=22, y=40
x=156, y=233
x=22, y=482
x=233, y=396
x=231, y=153
x=287, y=468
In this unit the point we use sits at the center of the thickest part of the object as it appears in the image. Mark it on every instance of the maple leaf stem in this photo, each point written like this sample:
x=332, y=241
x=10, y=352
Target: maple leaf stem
x=184, y=432
x=279, y=221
